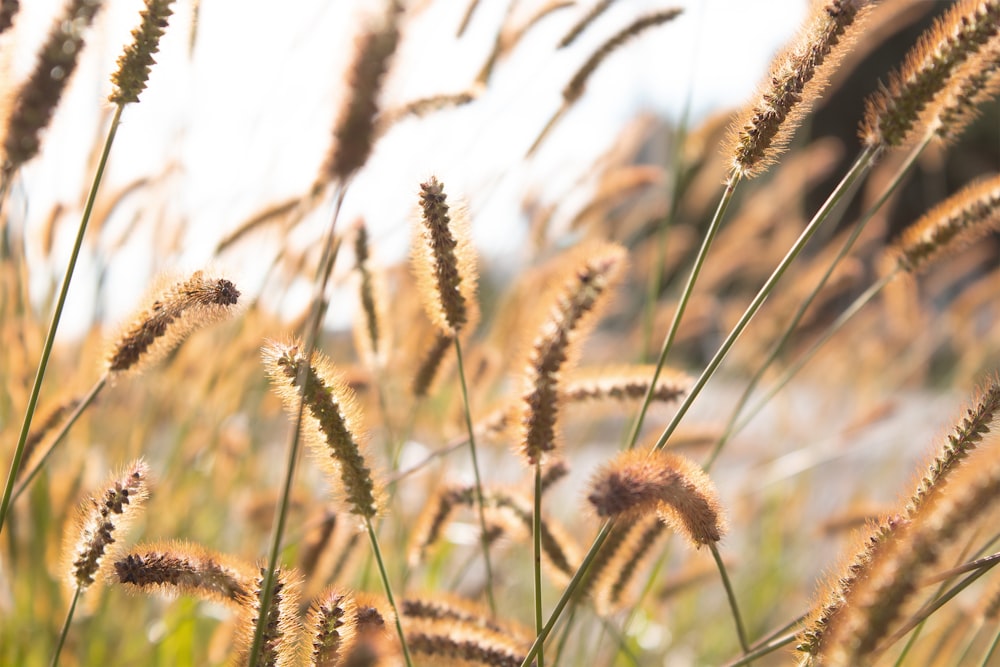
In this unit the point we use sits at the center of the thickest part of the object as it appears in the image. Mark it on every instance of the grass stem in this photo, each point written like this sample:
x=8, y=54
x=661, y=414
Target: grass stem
x=388, y=591
x=536, y=534
x=731, y=595
x=65, y=627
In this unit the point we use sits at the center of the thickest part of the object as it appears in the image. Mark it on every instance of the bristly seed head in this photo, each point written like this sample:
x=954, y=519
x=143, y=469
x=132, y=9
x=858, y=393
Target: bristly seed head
x=135, y=63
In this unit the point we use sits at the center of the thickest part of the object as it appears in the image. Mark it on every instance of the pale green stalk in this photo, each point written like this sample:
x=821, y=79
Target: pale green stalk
x=388, y=590
x=484, y=537
x=50, y=337
x=860, y=167
x=731, y=595
x=65, y=628
x=731, y=429
x=766, y=649
x=668, y=341
x=993, y=647
x=536, y=533
x=309, y=345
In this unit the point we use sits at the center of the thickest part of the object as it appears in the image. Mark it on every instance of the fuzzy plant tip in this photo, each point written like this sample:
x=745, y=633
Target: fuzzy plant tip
x=637, y=483
x=135, y=63
x=331, y=420
x=101, y=518
x=171, y=315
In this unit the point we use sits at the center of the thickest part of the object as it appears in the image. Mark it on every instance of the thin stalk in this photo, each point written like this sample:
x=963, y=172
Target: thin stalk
x=860, y=167
x=766, y=649
x=65, y=628
x=311, y=333
x=740, y=631
x=388, y=590
x=992, y=650
x=50, y=338
x=836, y=326
x=564, y=636
x=568, y=594
x=730, y=429
x=536, y=533
x=668, y=341
x=483, y=535
x=26, y=478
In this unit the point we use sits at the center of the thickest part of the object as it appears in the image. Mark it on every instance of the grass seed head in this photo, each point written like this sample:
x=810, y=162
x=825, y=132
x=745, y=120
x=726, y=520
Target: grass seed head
x=137, y=60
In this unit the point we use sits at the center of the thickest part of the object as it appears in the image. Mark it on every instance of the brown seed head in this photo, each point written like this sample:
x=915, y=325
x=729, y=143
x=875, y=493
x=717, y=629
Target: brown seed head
x=173, y=315
x=331, y=424
x=796, y=78
x=39, y=96
x=636, y=483
x=973, y=85
x=281, y=626
x=444, y=261
x=892, y=112
x=103, y=516
x=134, y=64
x=332, y=627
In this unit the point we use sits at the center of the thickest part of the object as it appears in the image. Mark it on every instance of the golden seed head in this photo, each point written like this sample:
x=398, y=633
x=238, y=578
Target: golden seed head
x=636, y=483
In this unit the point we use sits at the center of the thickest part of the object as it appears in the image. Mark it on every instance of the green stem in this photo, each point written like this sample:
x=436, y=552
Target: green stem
x=860, y=167
x=992, y=650
x=731, y=429
x=568, y=594
x=668, y=341
x=56, y=316
x=483, y=535
x=65, y=628
x=536, y=533
x=85, y=402
x=388, y=591
x=740, y=631
x=309, y=345
x=766, y=649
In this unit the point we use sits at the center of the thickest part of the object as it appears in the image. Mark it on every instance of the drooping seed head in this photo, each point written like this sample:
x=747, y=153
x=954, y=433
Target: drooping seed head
x=637, y=483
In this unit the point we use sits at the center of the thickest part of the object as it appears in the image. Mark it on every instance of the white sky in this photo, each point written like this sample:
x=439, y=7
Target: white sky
x=246, y=119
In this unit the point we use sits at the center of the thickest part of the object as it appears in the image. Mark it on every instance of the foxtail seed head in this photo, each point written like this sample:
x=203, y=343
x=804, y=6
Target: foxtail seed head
x=595, y=269
x=636, y=483
x=444, y=261
x=173, y=568
x=282, y=628
x=103, y=516
x=331, y=423
x=797, y=76
x=332, y=626
x=892, y=112
x=134, y=64
x=172, y=316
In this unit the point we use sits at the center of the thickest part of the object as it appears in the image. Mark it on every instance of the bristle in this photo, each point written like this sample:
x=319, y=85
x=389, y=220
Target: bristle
x=636, y=483
x=437, y=510
x=331, y=428
x=137, y=60
x=182, y=568
x=595, y=270
x=892, y=112
x=444, y=261
x=103, y=516
x=459, y=647
x=39, y=96
x=796, y=78
x=576, y=86
x=621, y=567
x=428, y=369
x=173, y=315
x=444, y=607
x=331, y=626
x=964, y=217
x=281, y=628
x=355, y=128
x=585, y=21
x=914, y=551
x=370, y=337
x=558, y=550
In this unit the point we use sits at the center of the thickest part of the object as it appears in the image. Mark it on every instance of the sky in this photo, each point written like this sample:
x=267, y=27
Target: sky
x=243, y=119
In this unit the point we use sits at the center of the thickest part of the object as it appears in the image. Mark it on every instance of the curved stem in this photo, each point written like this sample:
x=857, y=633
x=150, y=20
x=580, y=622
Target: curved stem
x=668, y=341
x=740, y=630
x=65, y=628
x=56, y=316
x=309, y=345
x=483, y=535
x=730, y=429
x=85, y=402
x=860, y=167
x=388, y=590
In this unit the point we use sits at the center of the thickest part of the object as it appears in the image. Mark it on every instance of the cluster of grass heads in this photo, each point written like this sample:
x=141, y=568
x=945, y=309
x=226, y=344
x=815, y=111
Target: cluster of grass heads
x=554, y=468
